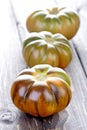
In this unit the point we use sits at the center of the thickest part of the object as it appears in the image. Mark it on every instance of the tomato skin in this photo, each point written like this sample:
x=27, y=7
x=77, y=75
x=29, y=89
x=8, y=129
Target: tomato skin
x=47, y=48
x=56, y=20
x=42, y=90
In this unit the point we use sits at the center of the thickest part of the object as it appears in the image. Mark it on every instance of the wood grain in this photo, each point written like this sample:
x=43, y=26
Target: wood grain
x=13, y=32
x=81, y=38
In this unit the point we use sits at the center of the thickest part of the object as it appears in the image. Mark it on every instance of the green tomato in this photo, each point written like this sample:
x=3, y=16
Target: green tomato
x=47, y=48
x=56, y=20
x=42, y=90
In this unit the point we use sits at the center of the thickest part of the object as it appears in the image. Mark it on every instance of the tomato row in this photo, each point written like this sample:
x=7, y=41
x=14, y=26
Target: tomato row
x=45, y=88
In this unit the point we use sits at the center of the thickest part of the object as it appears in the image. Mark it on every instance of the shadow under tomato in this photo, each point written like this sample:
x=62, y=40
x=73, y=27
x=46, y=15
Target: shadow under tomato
x=45, y=123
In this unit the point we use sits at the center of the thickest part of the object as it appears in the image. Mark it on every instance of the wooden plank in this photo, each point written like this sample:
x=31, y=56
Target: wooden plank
x=74, y=117
x=81, y=38
x=11, y=62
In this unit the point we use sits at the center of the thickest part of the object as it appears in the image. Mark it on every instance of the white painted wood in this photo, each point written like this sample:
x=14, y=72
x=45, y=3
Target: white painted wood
x=11, y=62
x=80, y=41
x=12, y=32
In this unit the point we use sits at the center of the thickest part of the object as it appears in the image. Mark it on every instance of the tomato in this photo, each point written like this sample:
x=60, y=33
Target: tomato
x=56, y=20
x=42, y=90
x=47, y=48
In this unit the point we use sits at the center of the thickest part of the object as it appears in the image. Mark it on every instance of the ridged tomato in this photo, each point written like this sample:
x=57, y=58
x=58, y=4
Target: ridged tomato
x=47, y=48
x=56, y=20
x=41, y=90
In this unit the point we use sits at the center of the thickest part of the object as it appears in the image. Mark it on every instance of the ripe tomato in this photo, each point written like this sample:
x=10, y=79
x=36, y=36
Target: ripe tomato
x=41, y=90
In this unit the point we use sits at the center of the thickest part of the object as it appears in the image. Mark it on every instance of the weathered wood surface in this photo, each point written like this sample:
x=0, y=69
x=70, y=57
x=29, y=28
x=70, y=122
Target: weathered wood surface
x=12, y=32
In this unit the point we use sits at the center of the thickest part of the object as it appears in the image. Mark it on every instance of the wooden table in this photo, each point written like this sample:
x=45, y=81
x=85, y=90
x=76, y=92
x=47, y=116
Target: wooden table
x=12, y=32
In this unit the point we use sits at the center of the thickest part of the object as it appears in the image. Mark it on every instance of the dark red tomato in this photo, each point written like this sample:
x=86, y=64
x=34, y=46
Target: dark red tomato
x=41, y=90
